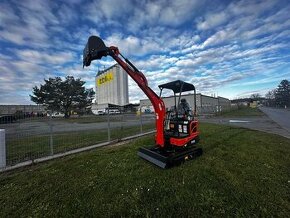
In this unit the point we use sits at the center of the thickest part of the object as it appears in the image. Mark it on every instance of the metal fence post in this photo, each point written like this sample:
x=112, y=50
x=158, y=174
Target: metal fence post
x=2, y=149
x=50, y=134
x=122, y=125
x=109, y=125
x=141, y=125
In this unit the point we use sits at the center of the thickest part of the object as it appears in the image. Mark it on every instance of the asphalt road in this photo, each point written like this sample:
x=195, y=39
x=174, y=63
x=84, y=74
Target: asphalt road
x=280, y=116
x=43, y=127
x=276, y=121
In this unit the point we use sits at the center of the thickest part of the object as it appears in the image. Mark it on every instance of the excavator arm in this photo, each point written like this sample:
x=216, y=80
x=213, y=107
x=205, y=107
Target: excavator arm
x=96, y=49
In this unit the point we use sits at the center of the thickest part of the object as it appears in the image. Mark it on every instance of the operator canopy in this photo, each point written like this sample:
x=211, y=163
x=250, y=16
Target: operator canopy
x=177, y=86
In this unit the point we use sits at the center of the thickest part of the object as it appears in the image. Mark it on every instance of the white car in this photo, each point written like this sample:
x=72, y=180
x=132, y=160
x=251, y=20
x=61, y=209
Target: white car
x=56, y=114
x=98, y=112
x=113, y=111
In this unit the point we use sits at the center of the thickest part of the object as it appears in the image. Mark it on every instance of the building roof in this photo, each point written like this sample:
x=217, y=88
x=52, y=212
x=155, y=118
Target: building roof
x=100, y=72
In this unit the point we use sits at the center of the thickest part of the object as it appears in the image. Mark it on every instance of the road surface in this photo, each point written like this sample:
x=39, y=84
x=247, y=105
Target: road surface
x=276, y=121
x=280, y=116
x=42, y=127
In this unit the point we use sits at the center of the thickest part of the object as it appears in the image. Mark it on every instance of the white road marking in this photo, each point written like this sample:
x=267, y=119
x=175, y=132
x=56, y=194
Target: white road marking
x=239, y=121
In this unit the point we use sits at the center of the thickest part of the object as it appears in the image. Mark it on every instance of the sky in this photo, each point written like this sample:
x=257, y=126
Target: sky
x=227, y=48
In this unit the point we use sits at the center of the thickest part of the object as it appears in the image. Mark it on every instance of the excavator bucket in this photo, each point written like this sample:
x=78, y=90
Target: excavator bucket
x=95, y=49
x=165, y=159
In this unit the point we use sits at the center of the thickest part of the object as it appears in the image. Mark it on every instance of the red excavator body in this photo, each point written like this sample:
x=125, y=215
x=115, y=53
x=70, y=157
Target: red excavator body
x=176, y=132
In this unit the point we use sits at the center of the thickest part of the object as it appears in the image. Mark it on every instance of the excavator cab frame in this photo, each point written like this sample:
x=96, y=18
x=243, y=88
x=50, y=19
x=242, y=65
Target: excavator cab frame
x=179, y=86
x=174, y=116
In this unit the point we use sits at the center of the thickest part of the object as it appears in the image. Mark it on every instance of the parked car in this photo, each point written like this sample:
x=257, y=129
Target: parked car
x=113, y=111
x=55, y=114
x=106, y=111
x=147, y=111
x=116, y=111
x=98, y=112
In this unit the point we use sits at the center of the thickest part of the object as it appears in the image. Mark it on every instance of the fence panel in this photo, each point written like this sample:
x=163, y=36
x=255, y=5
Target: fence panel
x=39, y=135
x=27, y=137
x=31, y=135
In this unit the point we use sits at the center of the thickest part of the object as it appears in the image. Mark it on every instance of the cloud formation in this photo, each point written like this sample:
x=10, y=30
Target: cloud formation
x=233, y=48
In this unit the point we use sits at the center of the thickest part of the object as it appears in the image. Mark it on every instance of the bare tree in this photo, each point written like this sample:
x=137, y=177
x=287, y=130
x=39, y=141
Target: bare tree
x=270, y=98
x=255, y=96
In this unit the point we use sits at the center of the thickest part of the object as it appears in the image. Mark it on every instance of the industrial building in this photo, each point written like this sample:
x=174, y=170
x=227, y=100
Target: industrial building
x=12, y=109
x=204, y=104
x=112, y=92
x=111, y=88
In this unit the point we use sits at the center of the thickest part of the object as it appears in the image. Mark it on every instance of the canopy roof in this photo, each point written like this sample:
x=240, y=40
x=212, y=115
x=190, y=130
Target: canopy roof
x=177, y=86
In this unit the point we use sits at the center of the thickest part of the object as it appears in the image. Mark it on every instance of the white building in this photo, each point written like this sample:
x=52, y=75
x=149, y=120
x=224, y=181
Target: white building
x=111, y=88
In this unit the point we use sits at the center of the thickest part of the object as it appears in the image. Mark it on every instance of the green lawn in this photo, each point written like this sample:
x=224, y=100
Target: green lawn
x=242, y=173
x=243, y=112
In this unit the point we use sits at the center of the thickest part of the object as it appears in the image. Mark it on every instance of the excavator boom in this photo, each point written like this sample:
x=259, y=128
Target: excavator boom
x=96, y=49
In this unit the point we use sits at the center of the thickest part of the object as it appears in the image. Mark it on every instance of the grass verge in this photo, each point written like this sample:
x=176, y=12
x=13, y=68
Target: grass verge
x=241, y=173
x=243, y=112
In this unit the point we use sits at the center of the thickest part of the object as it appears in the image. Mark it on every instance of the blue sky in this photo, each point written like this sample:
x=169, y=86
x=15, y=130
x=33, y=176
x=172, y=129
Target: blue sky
x=229, y=48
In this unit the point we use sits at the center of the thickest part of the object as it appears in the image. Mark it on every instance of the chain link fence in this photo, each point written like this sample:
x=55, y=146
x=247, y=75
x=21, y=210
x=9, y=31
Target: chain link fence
x=32, y=135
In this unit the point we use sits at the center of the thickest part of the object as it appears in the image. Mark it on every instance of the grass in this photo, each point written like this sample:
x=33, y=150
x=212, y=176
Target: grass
x=243, y=112
x=27, y=148
x=242, y=173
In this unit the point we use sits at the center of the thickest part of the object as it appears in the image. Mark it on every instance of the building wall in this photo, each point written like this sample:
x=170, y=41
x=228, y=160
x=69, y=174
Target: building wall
x=170, y=101
x=225, y=104
x=209, y=105
x=112, y=86
x=204, y=104
x=12, y=109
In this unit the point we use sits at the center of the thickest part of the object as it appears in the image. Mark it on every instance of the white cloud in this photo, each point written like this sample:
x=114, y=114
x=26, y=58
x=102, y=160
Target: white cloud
x=177, y=12
x=7, y=15
x=213, y=20
x=107, y=11
x=212, y=44
x=133, y=46
x=44, y=57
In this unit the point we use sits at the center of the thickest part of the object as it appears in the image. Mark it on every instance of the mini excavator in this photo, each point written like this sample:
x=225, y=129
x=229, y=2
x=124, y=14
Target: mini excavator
x=176, y=129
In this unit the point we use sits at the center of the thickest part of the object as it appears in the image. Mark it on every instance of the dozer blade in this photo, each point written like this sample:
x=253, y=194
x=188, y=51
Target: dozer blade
x=165, y=159
x=153, y=157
